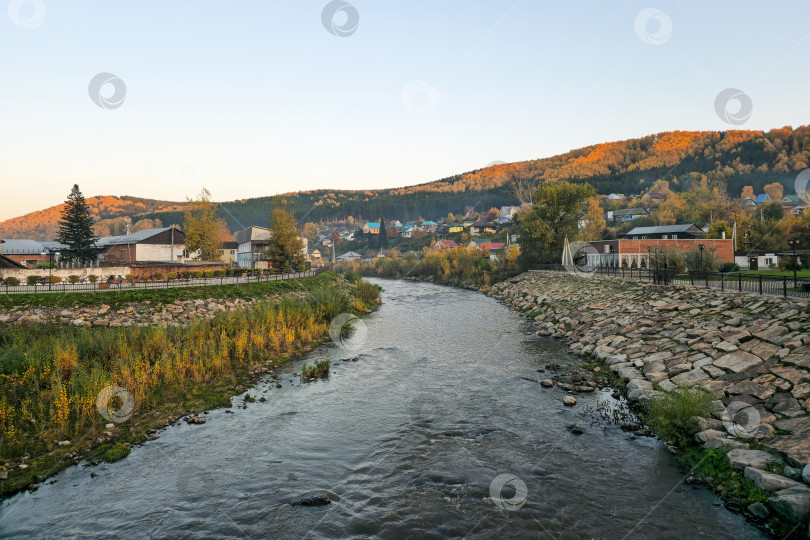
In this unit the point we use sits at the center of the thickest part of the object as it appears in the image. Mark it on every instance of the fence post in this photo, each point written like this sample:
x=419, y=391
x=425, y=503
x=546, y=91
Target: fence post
x=692, y=278
x=722, y=282
x=784, y=286
x=760, y=283
x=739, y=281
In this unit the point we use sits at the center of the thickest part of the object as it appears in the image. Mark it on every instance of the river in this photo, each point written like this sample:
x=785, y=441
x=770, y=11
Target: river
x=405, y=442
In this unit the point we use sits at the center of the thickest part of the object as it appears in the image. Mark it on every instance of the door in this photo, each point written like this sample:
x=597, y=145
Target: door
x=753, y=263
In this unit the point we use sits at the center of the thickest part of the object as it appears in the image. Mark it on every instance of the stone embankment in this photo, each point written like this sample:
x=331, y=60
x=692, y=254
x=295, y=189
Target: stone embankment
x=133, y=314
x=751, y=352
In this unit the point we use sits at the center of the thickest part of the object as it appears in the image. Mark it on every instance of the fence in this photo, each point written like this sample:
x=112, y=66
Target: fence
x=728, y=281
x=126, y=284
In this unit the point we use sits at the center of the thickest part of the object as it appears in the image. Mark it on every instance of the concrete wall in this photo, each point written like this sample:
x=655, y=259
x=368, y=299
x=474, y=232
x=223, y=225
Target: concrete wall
x=102, y=273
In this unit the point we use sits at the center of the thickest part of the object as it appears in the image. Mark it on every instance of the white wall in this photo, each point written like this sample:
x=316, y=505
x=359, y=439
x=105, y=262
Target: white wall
x=159, y=253
x=102, y=273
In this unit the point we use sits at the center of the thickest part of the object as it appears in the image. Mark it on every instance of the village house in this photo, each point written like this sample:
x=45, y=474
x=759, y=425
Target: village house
x=371, y=228
x=455, y=228
x=349, y=256
x=665, y=232
x=26, y=253
x=315, y=258
x=251, y=244
x=429, y=226
x=444, y=244
x=482, y=227
x=166, y=244
x=625, y=214
x=227, y=252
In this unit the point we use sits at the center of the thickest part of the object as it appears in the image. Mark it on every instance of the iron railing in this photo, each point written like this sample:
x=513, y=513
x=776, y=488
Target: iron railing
x=43, y=287
x=752, y=282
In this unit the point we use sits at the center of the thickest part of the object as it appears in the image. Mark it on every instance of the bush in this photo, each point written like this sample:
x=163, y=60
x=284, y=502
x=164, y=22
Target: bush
x=73, y=279
x=32, y=280
x=186, y=274
x=729, y=267
x=671, y=415
x=157, y=276
x=11, y=282
x=219, y=273
x=53, y=279
x=320, y=369
x=229, y=272
x=367, y=293
x=208, y=273
x=171, y=276
x=92, y=278
x=328, y=302
x=196, y=274
x=694, y=259
x=129, y=276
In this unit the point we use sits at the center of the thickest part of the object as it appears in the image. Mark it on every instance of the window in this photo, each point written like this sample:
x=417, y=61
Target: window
x=607, y=248
x=664, y=237
x=674, y=236
x=768, y=261
x=122, y=254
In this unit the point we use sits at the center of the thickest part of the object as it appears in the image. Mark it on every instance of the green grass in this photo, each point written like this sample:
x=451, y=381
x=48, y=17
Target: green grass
x=670, y=414
x=789, y=273
x=320, y=369
x=116, y=299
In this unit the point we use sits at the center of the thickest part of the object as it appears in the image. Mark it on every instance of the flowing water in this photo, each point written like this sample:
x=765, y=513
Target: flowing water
x=405, y=443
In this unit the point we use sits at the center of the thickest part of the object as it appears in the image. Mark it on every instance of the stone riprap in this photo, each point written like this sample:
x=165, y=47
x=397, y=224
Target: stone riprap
x=752, y=352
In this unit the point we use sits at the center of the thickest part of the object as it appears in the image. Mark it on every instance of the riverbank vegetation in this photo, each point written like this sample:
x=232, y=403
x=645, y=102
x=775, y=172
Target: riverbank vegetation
x=50, y=376
x=460, y=267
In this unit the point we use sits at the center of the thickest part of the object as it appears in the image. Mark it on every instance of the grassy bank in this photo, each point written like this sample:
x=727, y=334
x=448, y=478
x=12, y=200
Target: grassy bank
x=50, y=376
x=123, y=297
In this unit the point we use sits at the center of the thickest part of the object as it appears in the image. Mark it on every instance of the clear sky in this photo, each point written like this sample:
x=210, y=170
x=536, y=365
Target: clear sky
x=252, y=98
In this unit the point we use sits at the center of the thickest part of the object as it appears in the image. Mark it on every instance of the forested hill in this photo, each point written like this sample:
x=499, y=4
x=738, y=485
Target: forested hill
x=730, y=159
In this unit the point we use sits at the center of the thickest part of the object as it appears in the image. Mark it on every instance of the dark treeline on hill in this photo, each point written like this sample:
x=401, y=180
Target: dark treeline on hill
x=727, y=160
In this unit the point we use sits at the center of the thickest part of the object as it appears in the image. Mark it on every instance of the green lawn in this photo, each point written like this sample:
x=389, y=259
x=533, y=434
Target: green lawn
x=800, y=273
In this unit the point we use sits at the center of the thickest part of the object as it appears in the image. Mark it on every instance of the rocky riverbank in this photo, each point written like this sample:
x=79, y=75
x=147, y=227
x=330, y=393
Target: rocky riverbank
x=751, y=352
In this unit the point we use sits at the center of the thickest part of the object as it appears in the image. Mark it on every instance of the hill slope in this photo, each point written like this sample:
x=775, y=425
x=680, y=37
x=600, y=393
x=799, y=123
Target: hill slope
x=730, y=159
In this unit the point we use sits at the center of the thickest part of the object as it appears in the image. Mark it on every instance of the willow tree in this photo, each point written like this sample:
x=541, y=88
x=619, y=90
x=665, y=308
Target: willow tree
x=285, y=247
x=202, y=230
x=76, y=229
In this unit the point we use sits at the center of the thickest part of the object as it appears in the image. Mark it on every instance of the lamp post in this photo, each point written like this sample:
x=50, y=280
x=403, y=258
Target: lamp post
x=50, y=266
x=613, y=258
x=793, y=242
x=701, y=247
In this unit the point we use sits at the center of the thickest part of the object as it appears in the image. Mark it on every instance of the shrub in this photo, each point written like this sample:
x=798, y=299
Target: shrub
x=73, y=279
x=11, y=282
x=366, y=292
x=229, y=272
x=171, y=276
x=320, y=369
x=32, y=280
x=157, y=276
x=92, y=278
x=208, y=273
x=729, y=267
x=129, y=276
x=196, y=274
x=694, y=259
x=328, y=302
x=186, y=274
x=54, y=279
x=219, y=273
x=671, y=415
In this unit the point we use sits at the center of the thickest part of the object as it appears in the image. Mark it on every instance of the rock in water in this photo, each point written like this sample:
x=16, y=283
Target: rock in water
x=318, y=500
x=569, y=401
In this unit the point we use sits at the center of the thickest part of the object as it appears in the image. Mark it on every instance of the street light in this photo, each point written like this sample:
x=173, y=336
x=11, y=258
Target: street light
x=701, y=247
x=613, y=258
x=793, y=242
x=50, y=266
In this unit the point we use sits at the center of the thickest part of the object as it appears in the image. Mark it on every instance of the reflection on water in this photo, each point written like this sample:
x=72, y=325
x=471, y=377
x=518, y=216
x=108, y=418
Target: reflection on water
x=403, y=443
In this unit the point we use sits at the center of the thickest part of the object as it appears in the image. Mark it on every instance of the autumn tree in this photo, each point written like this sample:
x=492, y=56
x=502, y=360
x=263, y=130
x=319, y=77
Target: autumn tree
x=493, y=214
x=671, y=209
x=775, y=191
x=225, y=233
x=451, y=218
x=76, y=229
x=554, y=215
x=594, y=221
x=201, y=227
x=285, y=248
x=748, y=193
x=311, y=231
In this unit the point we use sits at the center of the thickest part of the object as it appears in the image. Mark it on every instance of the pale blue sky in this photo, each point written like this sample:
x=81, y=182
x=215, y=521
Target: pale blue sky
x=254, y=98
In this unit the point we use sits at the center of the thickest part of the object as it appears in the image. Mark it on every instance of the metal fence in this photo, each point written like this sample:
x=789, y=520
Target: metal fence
x=728, y=281
x=126, y=284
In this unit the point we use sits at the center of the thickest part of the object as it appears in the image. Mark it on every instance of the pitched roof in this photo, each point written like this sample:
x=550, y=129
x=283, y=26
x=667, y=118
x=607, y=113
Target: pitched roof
x=372, y=225
x=22, y=246
x=630, y=212
x=663, y=229
x=761, y=198
x=133, y=238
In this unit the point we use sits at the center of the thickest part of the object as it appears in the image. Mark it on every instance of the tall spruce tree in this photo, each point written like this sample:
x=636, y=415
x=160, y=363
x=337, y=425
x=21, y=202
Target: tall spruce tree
x=76, y=229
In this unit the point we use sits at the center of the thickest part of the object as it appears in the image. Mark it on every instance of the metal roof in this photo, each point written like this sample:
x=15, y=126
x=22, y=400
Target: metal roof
x=133, y=238
x=15, y=246
x=662, y=229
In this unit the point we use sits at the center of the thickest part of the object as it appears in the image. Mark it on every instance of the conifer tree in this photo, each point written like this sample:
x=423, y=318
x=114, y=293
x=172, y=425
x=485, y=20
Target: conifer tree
x=76, y=229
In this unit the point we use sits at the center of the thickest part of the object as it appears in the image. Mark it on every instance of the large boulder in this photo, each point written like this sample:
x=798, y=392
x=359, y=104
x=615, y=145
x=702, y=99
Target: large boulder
x=793, y=504
x=740, y=459
x=738, y=361
x=767, y=481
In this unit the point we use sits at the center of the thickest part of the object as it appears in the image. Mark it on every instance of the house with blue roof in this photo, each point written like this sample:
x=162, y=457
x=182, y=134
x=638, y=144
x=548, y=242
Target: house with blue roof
x=763, y=199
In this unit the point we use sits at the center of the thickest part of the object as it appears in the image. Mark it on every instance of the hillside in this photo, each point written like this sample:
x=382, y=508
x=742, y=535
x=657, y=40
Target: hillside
x=728, y=160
